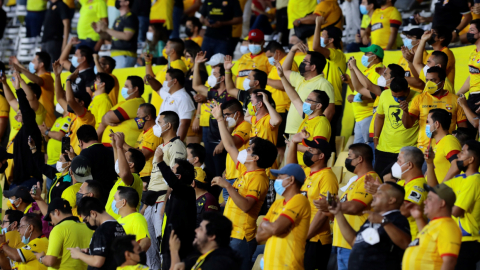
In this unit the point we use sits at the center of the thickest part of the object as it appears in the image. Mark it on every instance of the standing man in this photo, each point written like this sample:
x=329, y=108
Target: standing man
x=91, y=11
x=385, y=23
x=81, y=60
x=101, y=103
x=56, y=29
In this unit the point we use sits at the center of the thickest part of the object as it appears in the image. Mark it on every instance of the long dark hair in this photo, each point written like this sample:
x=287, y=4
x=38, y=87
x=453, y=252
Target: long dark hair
x=159, y=34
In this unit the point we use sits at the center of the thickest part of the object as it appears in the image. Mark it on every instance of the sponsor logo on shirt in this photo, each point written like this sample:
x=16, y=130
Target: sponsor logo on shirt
x=415, y=196
x=415, y=242
x=449, y=107
x=377, y=26
x=243, y=73
x=474, y=70
x=395, y=116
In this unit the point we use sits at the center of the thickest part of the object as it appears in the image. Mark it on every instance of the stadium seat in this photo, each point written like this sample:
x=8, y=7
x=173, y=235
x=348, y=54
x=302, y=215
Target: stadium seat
x=331, y=160
x=341, y=159
x=339, y=142
x=256, y=266
x=349, y=142
x=259, y=219
x=338, y=171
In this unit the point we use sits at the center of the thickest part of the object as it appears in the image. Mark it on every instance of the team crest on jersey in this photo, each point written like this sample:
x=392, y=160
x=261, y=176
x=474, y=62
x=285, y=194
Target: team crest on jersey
x=448, y=107
x=395, y=116
x=381, y=17
x=171, y=102
x=304, y=193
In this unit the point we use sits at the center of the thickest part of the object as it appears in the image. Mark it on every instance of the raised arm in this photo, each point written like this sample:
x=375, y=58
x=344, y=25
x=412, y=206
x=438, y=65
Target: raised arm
x=229, y=83
x=275, y=118
x=148, y=64
x=59, y=92
x=227, y=140
x=9, y=96
x=418, y=58
x=124, y=166
x=66, y=51
x=292, y=94
x=465, y=87
x=32, y=77
x=197, y=80
x=471, y=116
x=408, y=120
x=77, y=108
x=287, y=64
x=319, y=21
x=32, y=99
x=120, y=35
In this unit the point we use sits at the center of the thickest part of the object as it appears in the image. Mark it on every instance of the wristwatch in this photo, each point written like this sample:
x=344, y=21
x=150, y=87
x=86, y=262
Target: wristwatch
x=456, y=31
x=46, y=132
x=41, y=259
x=385, y=220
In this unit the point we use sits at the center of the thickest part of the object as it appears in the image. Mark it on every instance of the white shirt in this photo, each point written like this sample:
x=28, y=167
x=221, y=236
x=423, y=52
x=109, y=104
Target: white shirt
x=179, y=102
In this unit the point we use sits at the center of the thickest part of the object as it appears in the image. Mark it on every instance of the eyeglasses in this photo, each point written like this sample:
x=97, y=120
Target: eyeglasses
x=312, y=101
x=4, y=221
x=21, y=226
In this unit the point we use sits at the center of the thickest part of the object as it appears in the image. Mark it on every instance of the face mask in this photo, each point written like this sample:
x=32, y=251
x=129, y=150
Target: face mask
x=432, y=88
x=363, y=10
x=26, y=240
x=246, y=84
x=382, y=81
x=164, y=53
x=254, y=48
x=59, y=108
x=429, y=132
x=425, y=69
x=59, y=166
x=307, y=108
x=212, y=81
x=244, y=49
x=242, y=156
x=12, y=201
x=78, y=197
x=301, y=68
x=279, y=188
x=91, y=227
x=140, y=122
x=5, y=230
x=462, y=167
x=75, y=61
x=397, y=170
x=365, y=61
x=143, y=258
x=157, y=131
x=308, y=159
x=165, y=86
x=431, y=41
x=322, y=42
x=31, y=68
x=117, y=169
x=408, y=43
x=150, y=36
x=398, y=99
x=349, y=166
x=231, y=122
x=471, y=38
x=188, y=32
x=125, y=94
x=114, y=207
x=271, y=60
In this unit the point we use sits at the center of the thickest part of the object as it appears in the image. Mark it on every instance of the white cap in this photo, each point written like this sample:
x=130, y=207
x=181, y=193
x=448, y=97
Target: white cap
x=216, y=59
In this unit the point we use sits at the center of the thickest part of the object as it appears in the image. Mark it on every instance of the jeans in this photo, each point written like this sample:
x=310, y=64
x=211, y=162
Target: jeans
x=282, y=25
x=87, y=42
x=143, y=23
x=361, y=130
x=225, y=192
x=468, y=256
x=261, y=23
x=317, y=255
x=213, y=46
x=245, y=250
x=113, y=14
x=260, y=249
x=34, y=22
x=123, y=61
x=177, y=19
x=342, y=258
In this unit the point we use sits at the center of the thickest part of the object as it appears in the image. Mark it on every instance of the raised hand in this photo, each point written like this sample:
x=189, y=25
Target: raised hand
x=228, y=64
x=201, y=57
x=57, y=68
x=279, y=69
x=371, y=184
x=216, y=110
x=16, y=80
x=427, y=35
x=74, y=75
x=74, y=41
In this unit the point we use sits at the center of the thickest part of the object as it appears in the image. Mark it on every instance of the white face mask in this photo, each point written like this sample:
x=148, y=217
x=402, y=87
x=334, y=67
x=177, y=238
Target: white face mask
x=242, y=156
x=150, y=36
x=244, y=49
x=425, y=69
x=212, y=81
x=59, y=108
x=246, y=84
x=231, y=122
x=165, y=86
x=59, y=166
x=397, y=170
x=117, y=169
x=157, y=131
x=382, y=81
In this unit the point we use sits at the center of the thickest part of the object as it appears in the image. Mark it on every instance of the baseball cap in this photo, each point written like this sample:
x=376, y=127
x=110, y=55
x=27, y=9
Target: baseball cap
x=291, y=169
x=375, y=49
x=81, y=169
x=416, y=32
x=200, y=175
x=216, y=59
x=444, y=192
x=256, y=35
x=320, y=144
x=19, y=192
x=57, y=203
x=4, y=154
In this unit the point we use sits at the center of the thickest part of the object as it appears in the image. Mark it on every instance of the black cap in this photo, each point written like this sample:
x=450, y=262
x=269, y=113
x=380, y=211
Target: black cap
x=81, y=169
x=321, y=144
x=416, y=32
x=4, y=154
x=57, y=203
x=19, y=192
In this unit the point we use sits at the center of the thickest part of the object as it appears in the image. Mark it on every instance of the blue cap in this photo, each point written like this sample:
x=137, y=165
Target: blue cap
x=291, y=169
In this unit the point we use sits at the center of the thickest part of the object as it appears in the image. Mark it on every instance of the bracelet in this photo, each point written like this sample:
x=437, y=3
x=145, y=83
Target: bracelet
x=41, y=259
x=228, y=72
x=46, y=132
x=68, y=80
x=148, y=63
x=375, y=137
x=33, y=148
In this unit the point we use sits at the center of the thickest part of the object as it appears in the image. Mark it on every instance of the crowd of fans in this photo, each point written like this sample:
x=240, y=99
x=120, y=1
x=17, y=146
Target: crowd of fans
x=228, y=168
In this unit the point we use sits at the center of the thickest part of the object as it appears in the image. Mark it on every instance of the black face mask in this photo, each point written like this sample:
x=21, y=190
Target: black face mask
x=461, y=166
x=117, y=5
x=69, y=109
x=301, y=68
x=188, y=32
x=349, y=166
x=91, y=227
x=143, y=258
x=471, y=39
x=307, y=159
x=381, y=2
x=432, y=39
x=4, y=167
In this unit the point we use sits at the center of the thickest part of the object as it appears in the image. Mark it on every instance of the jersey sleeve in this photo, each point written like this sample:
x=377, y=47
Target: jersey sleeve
x=449, y=240
x=414, y=108
x=121, y=112
x=335, y=56
x=150, y=142
x=211, y=204
x=295, y=208
x=242, y=132
x=469, y=193
x=26, y=254
x=130, y=25
x=98, y=245
x=452, y=149
x=360, y=194
x=65, y=124
x=415, y=194
x=257, y=187
x=395, y=19
x=321, y=9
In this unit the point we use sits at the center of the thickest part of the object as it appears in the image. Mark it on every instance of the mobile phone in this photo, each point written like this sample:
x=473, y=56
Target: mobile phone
x=358, y=31
x=329, y=198
x=339, y=69
x=66, y=147
x=285, y=136
x=34, y=190
x=30, y=139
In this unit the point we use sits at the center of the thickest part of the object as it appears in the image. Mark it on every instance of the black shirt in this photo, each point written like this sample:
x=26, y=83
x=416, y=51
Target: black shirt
x=213, y=131
x=85, y=77
x=244, y=97
x=453, y=10
x=127, y=22
x=178, y=3
x=101, y=243
x=189, y=80
x=102, y=164
x=206, y=203
x=220, y=258
x=383, y=255
x=53, y=23
x=220, y=10
x=141, y=8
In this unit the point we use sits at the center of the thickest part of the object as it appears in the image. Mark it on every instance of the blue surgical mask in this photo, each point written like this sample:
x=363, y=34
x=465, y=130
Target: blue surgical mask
x=271, y=60
x=75, y=61
x=279, y=188
x=114, y=207
x=125, y=94
x=31, y=68
x=398, y=99
x=5, y=230
x=363, y=10
x=307, y=108
x=408, y=43
x=365, y=61
x=95, y=70
x=26, y=240
x=322, y=42
x=428, y=131
x=254, y=48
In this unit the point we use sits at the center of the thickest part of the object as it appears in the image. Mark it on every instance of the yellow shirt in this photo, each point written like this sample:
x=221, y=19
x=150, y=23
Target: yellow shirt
x=421, y=106
x=444, y=149
x=381, y=22
x=241, y=131
x=287, y=251
x=36, y=5
x=70, y=194
x=467, y=190
x=204, y=115
x=362, y=110
x=160, y=76
x=474, y=70
x=440, y=237
x=4, y=107
x=282, y=101
x=335, y=62
x=54, y=147
x=414, y=193
x=197, y=39
x=355, y=192
x=249, y=62
x=262, y=128
x=316, y=184
x=99, y=106
x=404, y=64
x=86, y=119
x=14, y=239
x=91, y=11
x=27, y=254
x=47, y=98
x=394, y=135
x=147, y=140
x=162, y=12
x=250, y=184
x=332, y=13
x=450, y=64
x=365, y=22
x=319, y=128
x=126, y=111
x=135, y=224
x=304, y=88
x=133, y=267
x=113, y=95
x=297, y=9
x=68, y=234
x=137, y=185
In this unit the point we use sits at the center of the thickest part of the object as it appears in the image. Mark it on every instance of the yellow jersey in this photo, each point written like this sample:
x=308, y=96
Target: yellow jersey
x=282, y=101
x=362, y=110
x=355, y=192
x=381, y=22
x=450, y=64
x=335, y=67
x=135, y=224
x=467, y=190
x=36, y=5
x=408, y=71
x=99, y=106
x=27, y=254
x=160, y=76
x=319, y=128
x=247, y=63
x=241, y=131
x=91, y=11
x=79, y=120
x=54, y=147
x=147, y=140
x=70, y=194
x=198, y=39
x=297, y=9
x=133, y=267
x=316, y=184
x=262, y=128
x=440, y=237
x=162, y=12
x=137, y=185
x=249, y=184
x=287, y=251
x=113, y=95
x=331, y=11
x=14, y=239
x=47, y=98
x=421, y=106
x=474, y=70
x=394, y=135
x=445, y=149
x=415, y=193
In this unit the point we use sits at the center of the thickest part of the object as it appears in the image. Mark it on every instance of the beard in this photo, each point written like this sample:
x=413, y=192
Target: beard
x=198, y=243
